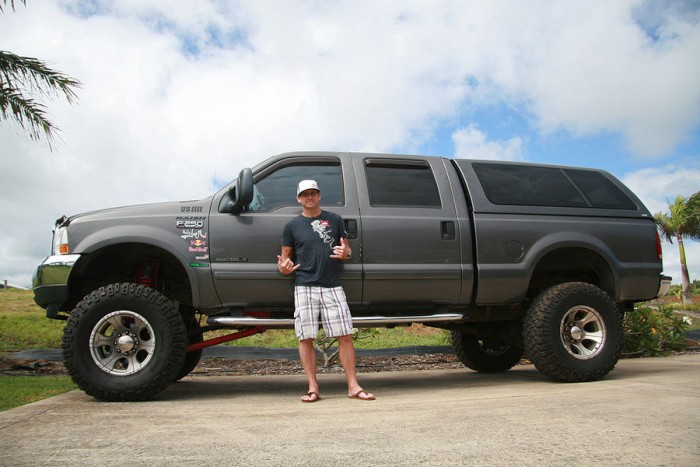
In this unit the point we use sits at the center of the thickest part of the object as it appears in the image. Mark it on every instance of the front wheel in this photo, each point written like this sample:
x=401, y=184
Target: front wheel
x=485, y=355
x=573, y=332
x=124, y=342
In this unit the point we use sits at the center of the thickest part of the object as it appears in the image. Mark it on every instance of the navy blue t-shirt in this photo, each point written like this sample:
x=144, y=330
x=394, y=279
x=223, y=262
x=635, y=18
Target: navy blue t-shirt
x=313, y=239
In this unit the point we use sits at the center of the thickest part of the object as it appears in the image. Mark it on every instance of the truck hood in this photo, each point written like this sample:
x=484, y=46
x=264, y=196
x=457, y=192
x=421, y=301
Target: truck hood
x=200, y=207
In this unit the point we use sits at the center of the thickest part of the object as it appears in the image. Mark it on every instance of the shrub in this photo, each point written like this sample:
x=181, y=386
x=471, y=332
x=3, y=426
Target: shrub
x=326, y=346
x=677, y=306
x=651, y=331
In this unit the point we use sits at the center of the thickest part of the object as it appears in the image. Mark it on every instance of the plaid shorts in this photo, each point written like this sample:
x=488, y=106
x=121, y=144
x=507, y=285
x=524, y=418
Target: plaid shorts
x=328, y=304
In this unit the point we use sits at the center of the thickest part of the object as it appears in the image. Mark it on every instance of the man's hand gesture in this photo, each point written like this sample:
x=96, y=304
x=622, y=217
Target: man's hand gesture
x=342, y=251
x=286, y=266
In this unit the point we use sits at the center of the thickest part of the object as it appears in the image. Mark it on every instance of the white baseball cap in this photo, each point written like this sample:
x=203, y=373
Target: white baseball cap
x=307, y=185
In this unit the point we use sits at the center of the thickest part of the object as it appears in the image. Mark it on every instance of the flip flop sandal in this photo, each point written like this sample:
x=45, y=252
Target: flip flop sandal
x=366, y=398
x=311, y=394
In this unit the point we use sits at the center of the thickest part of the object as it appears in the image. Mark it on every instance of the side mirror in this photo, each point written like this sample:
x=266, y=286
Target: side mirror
x=241, y=194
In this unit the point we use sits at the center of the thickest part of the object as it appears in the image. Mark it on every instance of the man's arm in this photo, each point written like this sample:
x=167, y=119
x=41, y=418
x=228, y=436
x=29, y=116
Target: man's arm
x=284, y=261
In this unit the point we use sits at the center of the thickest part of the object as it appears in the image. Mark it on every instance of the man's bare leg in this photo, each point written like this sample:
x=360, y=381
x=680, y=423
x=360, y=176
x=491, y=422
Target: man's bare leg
x=307, y=354
x=347, y=359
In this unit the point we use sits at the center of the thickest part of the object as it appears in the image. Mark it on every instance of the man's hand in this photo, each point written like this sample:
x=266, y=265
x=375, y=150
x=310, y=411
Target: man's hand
x=342, y=251
x=286, y=266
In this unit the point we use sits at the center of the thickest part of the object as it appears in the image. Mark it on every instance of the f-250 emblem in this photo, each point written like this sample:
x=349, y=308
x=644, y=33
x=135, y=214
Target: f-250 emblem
x=189, y=223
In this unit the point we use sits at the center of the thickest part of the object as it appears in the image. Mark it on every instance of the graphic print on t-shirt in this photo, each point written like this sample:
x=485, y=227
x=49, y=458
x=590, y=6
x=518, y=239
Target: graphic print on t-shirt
x=322, y=228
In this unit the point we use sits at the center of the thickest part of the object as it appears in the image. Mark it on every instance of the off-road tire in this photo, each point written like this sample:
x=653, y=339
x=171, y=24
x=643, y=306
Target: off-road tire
x=124, y=342
x=192, y=358
x=485, y=355
x=573, y=332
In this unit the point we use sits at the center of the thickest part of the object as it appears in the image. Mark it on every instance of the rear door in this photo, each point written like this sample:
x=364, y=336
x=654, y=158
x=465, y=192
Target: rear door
x=410, y=234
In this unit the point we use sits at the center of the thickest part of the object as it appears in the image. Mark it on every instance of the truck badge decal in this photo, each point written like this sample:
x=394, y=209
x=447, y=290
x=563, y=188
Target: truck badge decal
x=192, y=233
x=189, y=222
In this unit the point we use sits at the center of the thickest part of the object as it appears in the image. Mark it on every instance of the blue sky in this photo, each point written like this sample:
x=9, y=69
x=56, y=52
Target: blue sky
x=178, y=93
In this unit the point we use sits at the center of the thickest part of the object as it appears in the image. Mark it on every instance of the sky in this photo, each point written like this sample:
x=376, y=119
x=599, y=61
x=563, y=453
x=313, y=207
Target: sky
x=178, y=96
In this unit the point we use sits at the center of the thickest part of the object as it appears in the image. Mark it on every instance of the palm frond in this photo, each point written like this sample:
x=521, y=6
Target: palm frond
x=21, y=80
x=692, y=216
x=24, y=78
x=665, y=226
x=26, y=112
x=12, y=4
x=36, y=76
x=682, y=220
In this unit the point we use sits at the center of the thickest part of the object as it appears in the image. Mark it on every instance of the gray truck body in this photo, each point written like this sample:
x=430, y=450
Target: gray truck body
x=461, y=244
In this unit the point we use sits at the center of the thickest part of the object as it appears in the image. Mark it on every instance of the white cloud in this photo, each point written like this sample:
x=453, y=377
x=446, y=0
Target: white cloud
x=470, y=143
x=177, y=92
x=603, y=74
x=656, y=188
x=659, y=186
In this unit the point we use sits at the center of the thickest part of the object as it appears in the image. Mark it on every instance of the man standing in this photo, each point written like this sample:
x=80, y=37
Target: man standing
x=318, y=242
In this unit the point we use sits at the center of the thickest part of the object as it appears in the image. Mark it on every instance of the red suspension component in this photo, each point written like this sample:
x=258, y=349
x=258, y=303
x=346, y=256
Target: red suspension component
x=147, y=272
x=222, y=339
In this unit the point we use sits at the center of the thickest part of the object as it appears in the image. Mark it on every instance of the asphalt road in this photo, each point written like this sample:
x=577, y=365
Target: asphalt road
x=646, y=412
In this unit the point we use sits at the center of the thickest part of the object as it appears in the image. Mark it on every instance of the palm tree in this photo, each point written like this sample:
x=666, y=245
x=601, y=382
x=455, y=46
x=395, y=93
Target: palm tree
x=682, y=221
x=21, y=78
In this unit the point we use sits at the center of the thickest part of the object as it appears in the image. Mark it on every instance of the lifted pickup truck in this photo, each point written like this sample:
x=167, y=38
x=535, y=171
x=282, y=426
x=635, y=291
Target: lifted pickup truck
x=514, y=259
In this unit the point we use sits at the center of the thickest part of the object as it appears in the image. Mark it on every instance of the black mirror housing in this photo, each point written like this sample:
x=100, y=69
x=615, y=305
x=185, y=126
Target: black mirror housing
x=240, y=195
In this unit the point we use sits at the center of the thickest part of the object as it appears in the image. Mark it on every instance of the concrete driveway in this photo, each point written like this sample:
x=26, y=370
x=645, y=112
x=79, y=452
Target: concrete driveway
x=646, y=412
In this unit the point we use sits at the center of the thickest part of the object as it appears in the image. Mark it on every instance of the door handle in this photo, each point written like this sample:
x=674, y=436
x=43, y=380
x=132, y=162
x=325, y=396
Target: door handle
x=351, y=228
x=447, y=230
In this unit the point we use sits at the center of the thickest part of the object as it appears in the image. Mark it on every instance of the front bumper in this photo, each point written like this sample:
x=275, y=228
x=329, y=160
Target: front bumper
x=50, y=282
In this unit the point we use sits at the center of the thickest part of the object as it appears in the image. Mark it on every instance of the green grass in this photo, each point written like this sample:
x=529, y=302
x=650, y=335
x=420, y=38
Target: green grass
x=23, y=324
x=415, y=335
x=20, y=390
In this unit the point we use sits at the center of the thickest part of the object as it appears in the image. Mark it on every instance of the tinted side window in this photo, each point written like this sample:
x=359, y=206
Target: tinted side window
x=278, y=189
x=601, y=192
x=401, y=183
x=528, y=186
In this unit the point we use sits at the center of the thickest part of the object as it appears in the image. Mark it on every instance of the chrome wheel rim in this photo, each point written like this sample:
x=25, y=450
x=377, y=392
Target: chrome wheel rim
x=122, y=343
x=583, y=332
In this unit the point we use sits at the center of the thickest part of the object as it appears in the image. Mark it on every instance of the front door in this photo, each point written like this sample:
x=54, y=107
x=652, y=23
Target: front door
x=244, y=247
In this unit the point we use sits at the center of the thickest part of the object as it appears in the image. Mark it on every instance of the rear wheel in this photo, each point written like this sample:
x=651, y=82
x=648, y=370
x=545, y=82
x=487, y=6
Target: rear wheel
x=192, y=358
x=124, y=342
x=573, y=332
x=485, y=355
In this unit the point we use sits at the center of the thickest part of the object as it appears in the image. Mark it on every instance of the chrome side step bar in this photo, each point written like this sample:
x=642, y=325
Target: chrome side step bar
x=358, y=322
